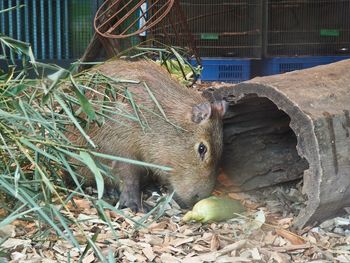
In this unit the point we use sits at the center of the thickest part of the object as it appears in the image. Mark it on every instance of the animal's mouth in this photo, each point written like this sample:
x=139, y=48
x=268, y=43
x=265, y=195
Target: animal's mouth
x=180, y=202
x=184, y=204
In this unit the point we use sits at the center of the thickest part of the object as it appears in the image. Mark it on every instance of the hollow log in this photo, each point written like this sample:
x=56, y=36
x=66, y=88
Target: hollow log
x=294, y=125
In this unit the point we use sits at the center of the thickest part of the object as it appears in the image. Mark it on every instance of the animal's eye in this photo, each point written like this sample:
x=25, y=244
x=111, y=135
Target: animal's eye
x=202, y=149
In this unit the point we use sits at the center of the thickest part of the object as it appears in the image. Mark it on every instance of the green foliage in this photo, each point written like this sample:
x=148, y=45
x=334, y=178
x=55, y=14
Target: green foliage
x=175, y=60
x=34, y=150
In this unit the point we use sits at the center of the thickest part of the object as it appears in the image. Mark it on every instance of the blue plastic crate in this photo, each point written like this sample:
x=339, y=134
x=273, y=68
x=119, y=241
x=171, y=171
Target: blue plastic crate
x=279, y=65
x=223, y=69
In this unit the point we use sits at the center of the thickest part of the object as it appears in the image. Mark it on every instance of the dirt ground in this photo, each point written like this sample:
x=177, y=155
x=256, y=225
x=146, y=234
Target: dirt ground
x=263, y=233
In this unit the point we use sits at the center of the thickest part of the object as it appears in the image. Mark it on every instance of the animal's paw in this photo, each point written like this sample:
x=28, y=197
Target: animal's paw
x=111, y=195
x=131, y=201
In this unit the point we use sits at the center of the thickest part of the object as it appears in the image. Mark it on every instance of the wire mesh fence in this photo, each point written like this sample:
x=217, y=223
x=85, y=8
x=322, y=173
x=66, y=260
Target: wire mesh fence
x=62, y=29
x=171, y=30
x=224, y=28
x=308, y=27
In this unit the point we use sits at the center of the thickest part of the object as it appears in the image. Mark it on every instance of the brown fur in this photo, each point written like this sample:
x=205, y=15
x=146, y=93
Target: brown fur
x=192, y=178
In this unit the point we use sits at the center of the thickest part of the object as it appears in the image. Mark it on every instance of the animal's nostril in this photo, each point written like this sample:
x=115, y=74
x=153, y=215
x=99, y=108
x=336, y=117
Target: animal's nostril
x=196, y=197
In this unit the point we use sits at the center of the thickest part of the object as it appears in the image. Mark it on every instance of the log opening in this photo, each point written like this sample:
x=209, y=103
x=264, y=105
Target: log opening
x=259, y=145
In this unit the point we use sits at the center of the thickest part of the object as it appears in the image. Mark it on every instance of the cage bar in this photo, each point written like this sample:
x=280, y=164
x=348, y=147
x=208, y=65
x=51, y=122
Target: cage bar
x=35, y=29
x=18, y=20
x=26, y=21
x=18, y=23
x=224, y=28
x=58, y=30
x=42, y=29
x=305, y=27
x=2, y=7
x=51, y=36
x=66, y=30
x=10, y=16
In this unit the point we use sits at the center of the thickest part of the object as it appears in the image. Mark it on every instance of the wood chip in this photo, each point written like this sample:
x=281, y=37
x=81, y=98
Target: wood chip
x=129, y=256
x=8, y=231
x=291, y=247
x=153, y=240
x=214, y=243
x=89, y=258
x=168, y=239
x=181, y=241
x=13, y=243
x=168, y=258
x=228, y=259
x=148, y=252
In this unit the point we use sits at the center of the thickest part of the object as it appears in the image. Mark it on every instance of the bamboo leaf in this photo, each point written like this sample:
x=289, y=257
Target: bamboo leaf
x=65, y=226
x=37, y=149
x=155, y=101
x=16, y=215
x=14, y=90
x=74, y=120
x=10, y=8
x=136, y=162
x=85, y=104
x=86, y=158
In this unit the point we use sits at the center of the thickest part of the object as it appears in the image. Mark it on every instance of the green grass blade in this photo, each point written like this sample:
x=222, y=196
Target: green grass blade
x=74, y=120
x=131, y=161
x=86, y=158
x=85, y=104
x=62, y=220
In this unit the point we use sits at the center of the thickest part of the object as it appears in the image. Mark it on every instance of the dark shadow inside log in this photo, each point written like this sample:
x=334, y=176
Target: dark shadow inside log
x=259, y=145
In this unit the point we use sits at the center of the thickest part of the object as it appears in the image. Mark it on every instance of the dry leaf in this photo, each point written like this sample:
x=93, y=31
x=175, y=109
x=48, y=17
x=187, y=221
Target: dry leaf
x=224, y=180
x=236, y=196
x=214, y=243
x=3, y=213
x=291, y=237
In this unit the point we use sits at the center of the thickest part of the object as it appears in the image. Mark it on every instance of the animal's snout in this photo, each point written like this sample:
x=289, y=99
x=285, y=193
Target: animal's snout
x=196, y=198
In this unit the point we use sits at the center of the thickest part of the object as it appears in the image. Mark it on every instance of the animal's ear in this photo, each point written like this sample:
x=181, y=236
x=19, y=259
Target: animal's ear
x=201, y=112
x=220, y=107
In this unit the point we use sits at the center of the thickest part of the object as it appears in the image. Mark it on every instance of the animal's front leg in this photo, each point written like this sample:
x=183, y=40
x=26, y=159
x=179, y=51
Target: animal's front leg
x=130, y=195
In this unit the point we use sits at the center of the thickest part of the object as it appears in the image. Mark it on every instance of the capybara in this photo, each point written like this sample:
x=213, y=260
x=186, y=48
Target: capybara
x=182, y=130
